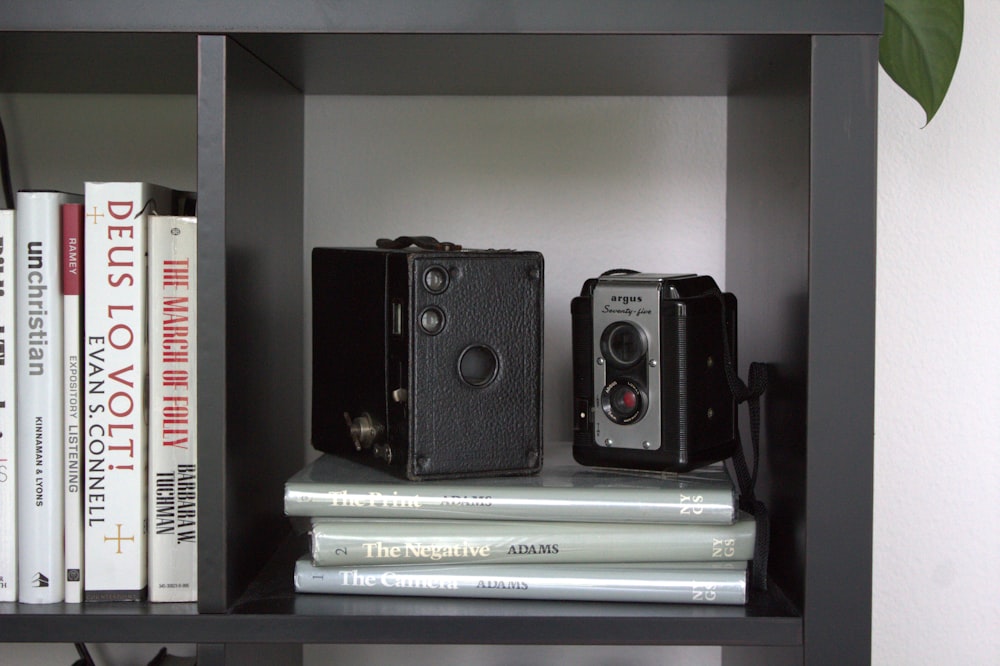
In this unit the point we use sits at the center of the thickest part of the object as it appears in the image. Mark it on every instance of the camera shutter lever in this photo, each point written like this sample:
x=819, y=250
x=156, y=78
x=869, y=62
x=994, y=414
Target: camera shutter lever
x=365, y=430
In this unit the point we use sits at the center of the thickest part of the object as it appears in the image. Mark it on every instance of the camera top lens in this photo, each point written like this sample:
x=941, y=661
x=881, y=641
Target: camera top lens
x=623, y=344
x=435, y=279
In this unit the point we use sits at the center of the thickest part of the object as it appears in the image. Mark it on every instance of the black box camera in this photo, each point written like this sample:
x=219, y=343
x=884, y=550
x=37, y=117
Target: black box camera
x=429, y=361
x=650, y=386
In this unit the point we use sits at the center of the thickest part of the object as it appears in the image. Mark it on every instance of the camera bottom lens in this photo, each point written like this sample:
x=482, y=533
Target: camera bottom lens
x=624, y=401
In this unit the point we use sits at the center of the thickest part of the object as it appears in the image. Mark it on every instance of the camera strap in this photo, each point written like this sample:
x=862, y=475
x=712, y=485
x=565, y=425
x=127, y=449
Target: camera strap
x=746, y=475
x=745, y=478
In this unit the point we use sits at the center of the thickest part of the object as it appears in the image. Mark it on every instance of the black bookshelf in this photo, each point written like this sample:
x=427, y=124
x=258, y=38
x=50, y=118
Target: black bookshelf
x=800, y=80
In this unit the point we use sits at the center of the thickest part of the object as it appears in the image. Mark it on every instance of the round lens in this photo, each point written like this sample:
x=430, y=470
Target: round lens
x=478, y=365
x=431, y=321
x=623, y=344
x=625, y=401
x=435, y=279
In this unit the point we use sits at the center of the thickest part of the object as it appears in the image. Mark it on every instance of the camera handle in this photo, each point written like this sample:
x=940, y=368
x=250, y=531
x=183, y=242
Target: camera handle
x=422, y=242
x=746, y=477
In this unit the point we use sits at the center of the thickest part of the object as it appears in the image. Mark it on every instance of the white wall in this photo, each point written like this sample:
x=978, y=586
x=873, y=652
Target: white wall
x=937, y=389
x=592, y=183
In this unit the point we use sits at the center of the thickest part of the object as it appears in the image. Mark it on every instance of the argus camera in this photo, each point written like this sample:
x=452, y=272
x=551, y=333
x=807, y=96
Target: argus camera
x=427, y=360
x=649, y=365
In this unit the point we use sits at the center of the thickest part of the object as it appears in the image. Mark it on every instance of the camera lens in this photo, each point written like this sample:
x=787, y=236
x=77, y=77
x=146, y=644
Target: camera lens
x=435, y=279
x=623, y=344
x=623, y=401
x=431, y=321
x=477, y=366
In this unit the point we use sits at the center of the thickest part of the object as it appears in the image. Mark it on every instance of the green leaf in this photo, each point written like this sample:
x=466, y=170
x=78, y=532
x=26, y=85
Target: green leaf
x=920, y=45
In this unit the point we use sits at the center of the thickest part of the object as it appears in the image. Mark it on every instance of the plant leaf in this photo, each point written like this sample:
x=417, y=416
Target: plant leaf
x=920, y=45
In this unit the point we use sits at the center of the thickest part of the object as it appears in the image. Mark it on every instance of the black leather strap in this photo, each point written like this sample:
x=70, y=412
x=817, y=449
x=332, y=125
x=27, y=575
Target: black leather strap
x=749, y=392
x=746, y=478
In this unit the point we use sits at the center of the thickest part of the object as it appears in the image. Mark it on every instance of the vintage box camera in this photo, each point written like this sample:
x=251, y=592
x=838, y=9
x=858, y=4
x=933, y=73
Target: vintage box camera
x=650, y=385
x=429, y=361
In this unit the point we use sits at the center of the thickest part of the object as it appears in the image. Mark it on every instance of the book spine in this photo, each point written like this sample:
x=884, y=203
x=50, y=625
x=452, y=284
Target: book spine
x=39, y=340
x=173, y=288
x=679, y=583
x=350, y=542
x=8, y=436
x=710, y=505
x=72, y=288
x=115, y=330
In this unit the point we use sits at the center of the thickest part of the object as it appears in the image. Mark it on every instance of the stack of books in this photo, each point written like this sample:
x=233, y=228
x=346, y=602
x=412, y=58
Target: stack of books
x=569, y=533
x=98, y=404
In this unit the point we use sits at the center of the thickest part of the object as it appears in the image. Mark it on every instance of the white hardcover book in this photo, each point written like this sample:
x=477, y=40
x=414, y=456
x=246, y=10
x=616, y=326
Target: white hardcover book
x=340, y=487
x=72, y=287
x=115, y=419
x=39, y=326
x=8, y=437
x=356, y=541
x=677, y=582
x=173, y=427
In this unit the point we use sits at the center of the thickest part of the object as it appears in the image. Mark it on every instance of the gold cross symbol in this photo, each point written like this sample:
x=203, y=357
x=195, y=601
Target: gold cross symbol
x=95, y=214
x=119, y=538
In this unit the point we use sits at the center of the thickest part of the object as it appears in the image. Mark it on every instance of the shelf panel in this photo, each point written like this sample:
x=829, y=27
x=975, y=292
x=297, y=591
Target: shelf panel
x=769, y=619
x=331, y=619
x=138, y=622
x=530, y=64
x=460, y=16
x=98, y=63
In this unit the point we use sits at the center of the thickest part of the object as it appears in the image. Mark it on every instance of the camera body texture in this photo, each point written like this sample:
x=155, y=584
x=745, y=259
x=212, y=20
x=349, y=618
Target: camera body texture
x=429, y=362
x=649, y=372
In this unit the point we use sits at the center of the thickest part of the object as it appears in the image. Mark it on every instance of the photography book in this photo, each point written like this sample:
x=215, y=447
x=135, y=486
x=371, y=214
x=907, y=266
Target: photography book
x=334, y=486
x=681, y=582
x=346, y=541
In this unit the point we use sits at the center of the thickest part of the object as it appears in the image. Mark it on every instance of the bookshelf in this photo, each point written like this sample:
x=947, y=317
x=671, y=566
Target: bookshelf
x=800, y=86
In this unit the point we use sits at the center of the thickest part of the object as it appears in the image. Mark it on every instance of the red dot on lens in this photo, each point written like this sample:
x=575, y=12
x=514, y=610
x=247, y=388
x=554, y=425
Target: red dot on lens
x=629, y=400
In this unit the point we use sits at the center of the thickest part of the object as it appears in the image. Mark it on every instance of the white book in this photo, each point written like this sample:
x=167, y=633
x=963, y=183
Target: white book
x=8, y=437
x=115, y=419
x=72, y=288
x=677, y=582
x=377, y=541
x=39, y=326
x=337, y=486
x=173, y=424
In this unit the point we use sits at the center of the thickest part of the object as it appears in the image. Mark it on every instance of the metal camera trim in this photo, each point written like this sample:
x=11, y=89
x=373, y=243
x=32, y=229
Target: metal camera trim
x=637, y=302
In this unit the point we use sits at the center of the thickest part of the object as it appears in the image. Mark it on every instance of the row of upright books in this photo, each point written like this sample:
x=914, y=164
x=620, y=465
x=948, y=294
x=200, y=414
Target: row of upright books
x=569, y=533
x=98, y=483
